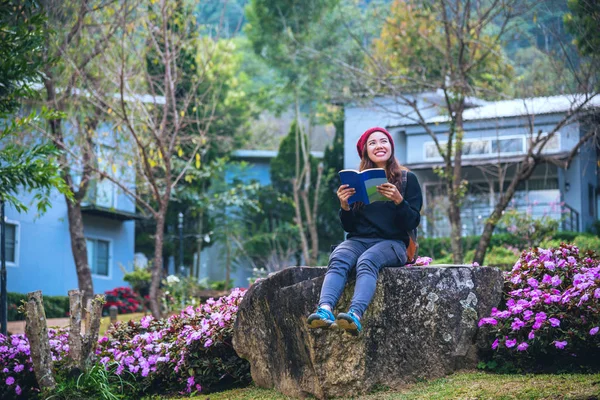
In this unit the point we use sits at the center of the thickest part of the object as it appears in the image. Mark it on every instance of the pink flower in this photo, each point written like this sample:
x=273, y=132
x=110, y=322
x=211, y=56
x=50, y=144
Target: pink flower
x=145, y=322
x=560, y=345
x=517, y=324
x=527, y=315
x=475, y=264
x=522, y=347
x=10, y=380
x=495, y=344
x=532, y=282
x=594, y=330
x=556, y=281
x=511, y=343
x=554, y=322
x=489, y=321
x=531, y=335
x=208, y=343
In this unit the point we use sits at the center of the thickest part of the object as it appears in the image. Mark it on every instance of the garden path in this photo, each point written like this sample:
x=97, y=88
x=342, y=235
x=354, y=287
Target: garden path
x=15, y=327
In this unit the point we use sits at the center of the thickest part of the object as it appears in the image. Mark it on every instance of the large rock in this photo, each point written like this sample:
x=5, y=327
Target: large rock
x=422, y=323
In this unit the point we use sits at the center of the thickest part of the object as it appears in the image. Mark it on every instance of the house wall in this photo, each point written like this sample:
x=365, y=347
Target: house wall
x=45, y=260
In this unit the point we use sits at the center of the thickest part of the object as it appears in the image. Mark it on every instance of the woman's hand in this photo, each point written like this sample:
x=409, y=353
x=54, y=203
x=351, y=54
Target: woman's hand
x=390, y=191
x=344, y=192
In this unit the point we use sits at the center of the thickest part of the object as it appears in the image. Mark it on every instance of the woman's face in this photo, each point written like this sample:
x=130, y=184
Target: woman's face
x=379, y=148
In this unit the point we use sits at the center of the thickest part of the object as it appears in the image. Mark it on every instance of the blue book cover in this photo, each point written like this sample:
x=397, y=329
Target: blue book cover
x=365, y=183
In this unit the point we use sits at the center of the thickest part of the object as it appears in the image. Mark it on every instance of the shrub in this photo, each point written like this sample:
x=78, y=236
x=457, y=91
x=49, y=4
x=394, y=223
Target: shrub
x=139, y=279
x=583, y=242
x=188, y=352
x=124, y=298
x=55, y=306
x=552, y=313
x=17, y=379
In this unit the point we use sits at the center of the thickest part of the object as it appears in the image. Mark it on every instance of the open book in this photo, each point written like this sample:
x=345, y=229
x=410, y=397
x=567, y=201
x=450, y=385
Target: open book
x=365, y=183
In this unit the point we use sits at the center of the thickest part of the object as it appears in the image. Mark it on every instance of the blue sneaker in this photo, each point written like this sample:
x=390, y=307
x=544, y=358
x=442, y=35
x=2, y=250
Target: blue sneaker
x=349, y=322
x=322, y=318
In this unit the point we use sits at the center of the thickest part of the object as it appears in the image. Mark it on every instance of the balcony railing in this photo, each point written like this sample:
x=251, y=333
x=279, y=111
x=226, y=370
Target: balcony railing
x=435, y=223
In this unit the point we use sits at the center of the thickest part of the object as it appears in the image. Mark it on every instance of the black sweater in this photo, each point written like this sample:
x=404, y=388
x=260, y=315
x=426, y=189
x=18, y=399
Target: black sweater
x=384, y=219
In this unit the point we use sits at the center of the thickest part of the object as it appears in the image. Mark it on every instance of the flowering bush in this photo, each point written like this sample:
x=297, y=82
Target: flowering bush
x=552, y=312
x=188, y=352
x=124, y=298
x=16, y=368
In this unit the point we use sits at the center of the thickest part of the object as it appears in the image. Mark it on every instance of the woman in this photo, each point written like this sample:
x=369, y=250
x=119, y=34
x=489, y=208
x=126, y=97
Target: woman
x=377, y=234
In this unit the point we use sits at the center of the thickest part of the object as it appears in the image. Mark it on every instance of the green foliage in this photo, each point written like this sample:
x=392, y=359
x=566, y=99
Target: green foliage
x=532, y=231
x=415, y=49
x=22, y=36
x=329, y=227
x=283, y=166
x=34, y=167
x=438, y=248
x=98, y=383
x=583, y=21
x=179, y=293
x=139, y=279
x=55, y=306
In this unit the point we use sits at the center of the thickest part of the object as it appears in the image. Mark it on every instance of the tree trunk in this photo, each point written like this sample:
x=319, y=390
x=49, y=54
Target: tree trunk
x=36, y=330
x=456, y=195
x=79, y=249
x=157, y=268
x=75, y=317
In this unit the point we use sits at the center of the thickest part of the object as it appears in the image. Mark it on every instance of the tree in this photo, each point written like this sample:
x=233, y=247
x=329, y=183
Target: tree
x=447, y=46
x=164, y=107
x=84, y=29
x=281, y=31
x=29, y=166
x=583, y=21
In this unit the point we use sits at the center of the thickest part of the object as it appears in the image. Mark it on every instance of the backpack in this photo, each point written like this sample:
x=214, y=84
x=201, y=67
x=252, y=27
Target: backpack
x=412, y=249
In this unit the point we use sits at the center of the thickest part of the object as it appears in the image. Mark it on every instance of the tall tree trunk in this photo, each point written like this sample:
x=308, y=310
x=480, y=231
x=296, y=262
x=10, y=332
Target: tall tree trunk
x=79, y=249
x=456, y=194
x=157, y=268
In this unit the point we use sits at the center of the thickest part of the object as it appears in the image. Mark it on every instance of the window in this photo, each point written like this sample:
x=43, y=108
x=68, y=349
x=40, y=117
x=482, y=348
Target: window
x=11, y=243
x=492, y=146
x=98, y=256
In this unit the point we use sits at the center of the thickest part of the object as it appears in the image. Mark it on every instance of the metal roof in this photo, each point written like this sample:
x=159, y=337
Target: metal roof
x=522, y=107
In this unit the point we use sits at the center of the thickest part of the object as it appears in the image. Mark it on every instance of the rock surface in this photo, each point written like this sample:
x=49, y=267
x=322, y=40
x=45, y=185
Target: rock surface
x=422, y=323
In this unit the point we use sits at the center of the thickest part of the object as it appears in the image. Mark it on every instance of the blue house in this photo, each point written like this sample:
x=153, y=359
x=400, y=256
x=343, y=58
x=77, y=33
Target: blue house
x=496, y=133
x=39, y=255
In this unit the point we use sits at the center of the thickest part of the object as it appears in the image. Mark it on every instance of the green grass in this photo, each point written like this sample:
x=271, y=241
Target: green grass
x=463, y=385
x=105, y=321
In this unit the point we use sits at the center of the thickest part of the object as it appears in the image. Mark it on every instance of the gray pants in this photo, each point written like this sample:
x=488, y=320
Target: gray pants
x=368, y=256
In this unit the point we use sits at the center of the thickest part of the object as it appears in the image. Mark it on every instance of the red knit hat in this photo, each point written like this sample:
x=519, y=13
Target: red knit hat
x=365, y=136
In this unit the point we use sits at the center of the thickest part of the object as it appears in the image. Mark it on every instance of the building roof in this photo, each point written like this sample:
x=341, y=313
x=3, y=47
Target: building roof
x=523, y=107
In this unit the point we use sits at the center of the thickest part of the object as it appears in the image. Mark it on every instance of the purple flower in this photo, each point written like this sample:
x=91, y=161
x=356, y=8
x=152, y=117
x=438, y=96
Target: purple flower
x=522, y=347
x=527, y=315
x=19, y=368
x=517, y=324
x=18, y=390
x=556, y=280
x=10, y=380
x=495, y=344
x=511, y=343
x=489, y=321
x=560, y=345
x=594, y=330
x=554, y=322
x=550, y=265
x=475, y=264
x=145, y=322
x=541, y=316
x=531, y=335
x=208, y=343
x=597, y=293
x=532, y=282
